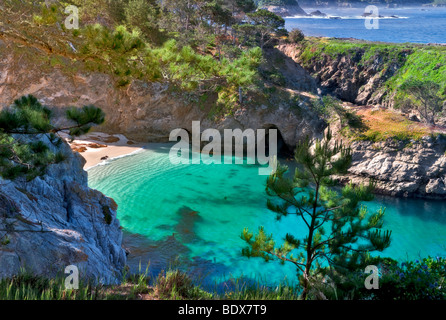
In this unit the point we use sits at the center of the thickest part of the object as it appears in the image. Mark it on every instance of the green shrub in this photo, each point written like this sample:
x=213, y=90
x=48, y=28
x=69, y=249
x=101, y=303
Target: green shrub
x=295, y=36
x=26, y=286
x=411, y=280
x=178, y=285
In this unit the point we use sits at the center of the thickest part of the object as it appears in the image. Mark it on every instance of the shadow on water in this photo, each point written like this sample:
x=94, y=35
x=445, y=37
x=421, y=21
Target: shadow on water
x=160, y=254
x=172, y=251
x=427, y=210
x=181, y=247
x=186, y=224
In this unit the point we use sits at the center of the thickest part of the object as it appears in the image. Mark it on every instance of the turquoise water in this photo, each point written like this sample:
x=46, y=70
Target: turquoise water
x=197, y=213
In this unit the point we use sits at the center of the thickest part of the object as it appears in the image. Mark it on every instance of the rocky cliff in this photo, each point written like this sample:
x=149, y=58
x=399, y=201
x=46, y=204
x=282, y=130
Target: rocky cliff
x=55, y=221
x=400, y=168
x=348, y=75
x=144, y=111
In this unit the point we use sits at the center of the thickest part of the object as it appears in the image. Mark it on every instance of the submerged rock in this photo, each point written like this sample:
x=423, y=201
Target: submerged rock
x=185, y=226
x=55, y=221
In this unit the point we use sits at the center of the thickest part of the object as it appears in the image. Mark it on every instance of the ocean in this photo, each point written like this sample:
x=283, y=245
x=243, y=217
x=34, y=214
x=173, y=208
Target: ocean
x=417, y=25
x=192, y=216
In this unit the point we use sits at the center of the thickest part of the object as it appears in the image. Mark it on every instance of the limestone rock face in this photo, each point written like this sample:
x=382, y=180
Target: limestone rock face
x=55, y=221
x=415, y=169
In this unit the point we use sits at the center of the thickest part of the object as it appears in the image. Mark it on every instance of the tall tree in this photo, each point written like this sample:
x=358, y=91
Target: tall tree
x=179, y=15
x=425, y=97
x=340, y=232
x=267, y=23
x=144, y=14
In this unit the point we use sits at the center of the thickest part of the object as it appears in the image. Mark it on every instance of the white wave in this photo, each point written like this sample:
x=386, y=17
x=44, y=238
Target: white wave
x=345, y=17
x=109, y=160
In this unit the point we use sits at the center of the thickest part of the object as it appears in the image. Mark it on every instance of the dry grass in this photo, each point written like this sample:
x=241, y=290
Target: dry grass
x=380, y=125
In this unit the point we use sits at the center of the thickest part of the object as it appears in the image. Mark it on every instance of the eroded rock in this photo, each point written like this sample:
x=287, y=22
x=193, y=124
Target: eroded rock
x=55, y=221
x=401, y=168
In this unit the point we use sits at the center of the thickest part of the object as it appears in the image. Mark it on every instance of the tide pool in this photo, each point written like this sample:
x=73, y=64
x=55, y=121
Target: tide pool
x=192, y=216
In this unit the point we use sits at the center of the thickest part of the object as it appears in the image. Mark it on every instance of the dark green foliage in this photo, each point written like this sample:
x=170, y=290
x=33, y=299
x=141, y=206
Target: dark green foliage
x=244, y=5
x=410, y=280
x=295, y=36
x=178, y=285
x=425, y=97
x=267, y=23
x=341, y=232
x=274, y=76
x=26, y=115
x=84, y=118
x=26, y=134
x=18, y=158
x=144, y=15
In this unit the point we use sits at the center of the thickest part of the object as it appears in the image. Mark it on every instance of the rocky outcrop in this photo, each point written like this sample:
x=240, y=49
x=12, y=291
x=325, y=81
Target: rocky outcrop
x=318, y=13
x=403, y=169
x=287, y=10
x=55, y=221
x=144, y=111
x=347, y=77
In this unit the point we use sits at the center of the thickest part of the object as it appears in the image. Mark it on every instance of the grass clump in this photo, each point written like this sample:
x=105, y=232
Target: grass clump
x=168, y=285
x=26, y=286
x=177, y=285
x=243, y=290
x=422, y=64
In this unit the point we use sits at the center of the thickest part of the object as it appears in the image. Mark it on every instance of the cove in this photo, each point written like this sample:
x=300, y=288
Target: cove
x=191, y=216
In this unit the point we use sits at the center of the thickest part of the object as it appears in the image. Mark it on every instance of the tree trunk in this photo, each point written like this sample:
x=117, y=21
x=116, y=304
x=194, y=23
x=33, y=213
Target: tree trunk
x=306, y=274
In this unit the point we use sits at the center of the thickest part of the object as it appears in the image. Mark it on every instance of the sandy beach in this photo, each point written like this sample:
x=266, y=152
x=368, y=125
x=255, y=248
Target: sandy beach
x=97, y=147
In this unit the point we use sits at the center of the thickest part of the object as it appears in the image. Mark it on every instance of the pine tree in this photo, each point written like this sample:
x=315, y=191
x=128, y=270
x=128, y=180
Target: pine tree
x=262, y=27
x=25, y=125
x=340, y=231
